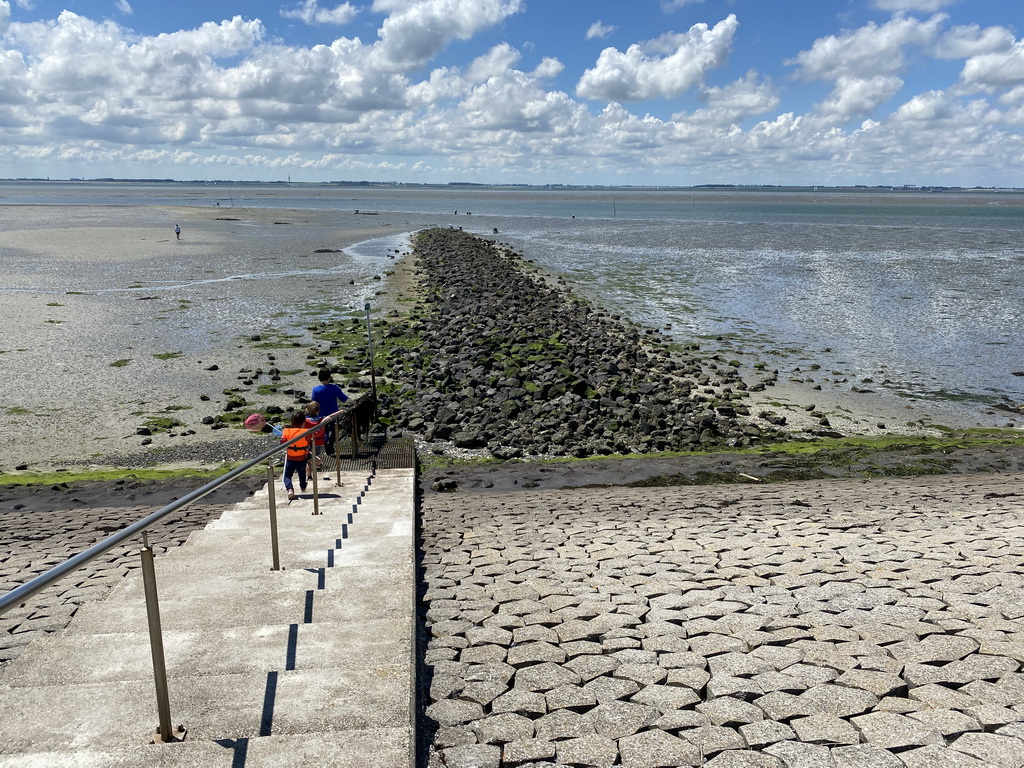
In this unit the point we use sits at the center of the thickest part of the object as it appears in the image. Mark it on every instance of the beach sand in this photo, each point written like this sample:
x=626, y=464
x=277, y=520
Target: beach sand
x=110, y=321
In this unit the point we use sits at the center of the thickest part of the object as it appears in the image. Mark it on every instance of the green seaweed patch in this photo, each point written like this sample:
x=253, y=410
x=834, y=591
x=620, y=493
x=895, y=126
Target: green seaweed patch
x=54, y=322
x=54, y=304
x=162, y=423
x=109, y=475
x=121, y=363
x=168, y=355
x=17, y=410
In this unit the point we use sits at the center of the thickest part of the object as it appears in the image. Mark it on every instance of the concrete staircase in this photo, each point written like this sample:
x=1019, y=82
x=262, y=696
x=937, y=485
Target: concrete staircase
x=308, y=666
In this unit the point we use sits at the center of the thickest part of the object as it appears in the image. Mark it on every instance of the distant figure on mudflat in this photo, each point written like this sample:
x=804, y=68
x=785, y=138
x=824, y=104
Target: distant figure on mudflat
x=177, y=232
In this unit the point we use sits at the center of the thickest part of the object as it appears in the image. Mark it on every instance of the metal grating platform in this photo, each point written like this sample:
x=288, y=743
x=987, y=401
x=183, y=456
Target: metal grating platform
x=396, y=453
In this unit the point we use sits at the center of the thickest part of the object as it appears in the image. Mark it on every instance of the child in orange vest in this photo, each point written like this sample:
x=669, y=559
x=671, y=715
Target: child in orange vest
x=298, y=454
x=313, y=418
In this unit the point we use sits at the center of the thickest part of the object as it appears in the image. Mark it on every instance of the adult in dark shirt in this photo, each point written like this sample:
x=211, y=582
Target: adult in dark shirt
x=328, y=395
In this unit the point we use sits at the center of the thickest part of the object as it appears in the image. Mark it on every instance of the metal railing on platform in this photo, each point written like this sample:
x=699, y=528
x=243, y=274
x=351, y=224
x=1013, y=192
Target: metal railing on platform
x=19, y=595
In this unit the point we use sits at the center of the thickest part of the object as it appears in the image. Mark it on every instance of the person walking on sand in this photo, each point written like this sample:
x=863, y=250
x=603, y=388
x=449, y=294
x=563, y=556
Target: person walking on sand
x=327, y=394
x=177, y=231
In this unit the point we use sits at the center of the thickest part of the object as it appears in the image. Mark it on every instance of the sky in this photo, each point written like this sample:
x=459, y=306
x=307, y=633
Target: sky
x=607, y=92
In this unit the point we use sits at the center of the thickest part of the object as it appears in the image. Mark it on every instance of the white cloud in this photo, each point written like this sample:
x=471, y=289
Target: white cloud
x=964, y=41
x=416, y=31
x=310, y=12
x=600, y=31
x=859, y=96
x=995, y=70
x=549, y=67
x=865, y=52
x=730, y=104
x=124, y=7
x=5, y=16
x=925, y=107
x=641, y=73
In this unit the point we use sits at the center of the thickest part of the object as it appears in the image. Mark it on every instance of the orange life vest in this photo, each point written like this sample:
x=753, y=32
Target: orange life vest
x=296, y=451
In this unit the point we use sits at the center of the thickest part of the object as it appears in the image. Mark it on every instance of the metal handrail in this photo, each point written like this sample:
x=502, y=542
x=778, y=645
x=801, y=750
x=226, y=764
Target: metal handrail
x=19, y=594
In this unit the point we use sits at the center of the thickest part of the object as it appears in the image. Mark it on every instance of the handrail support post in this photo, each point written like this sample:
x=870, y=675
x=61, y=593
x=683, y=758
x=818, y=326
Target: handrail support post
x=272, y=496
x=165, y=733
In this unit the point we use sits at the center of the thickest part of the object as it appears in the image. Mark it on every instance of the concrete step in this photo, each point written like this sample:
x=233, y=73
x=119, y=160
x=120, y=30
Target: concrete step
x=310, y=665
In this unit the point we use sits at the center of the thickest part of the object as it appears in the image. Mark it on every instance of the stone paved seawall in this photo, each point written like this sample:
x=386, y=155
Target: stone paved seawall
x=42, y=527
x=835, y=623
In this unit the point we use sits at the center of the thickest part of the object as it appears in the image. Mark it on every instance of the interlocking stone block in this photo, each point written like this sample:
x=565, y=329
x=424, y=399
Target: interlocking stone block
x=839, y=700
x=680, y=719
x=933, y=756
x=690, y=677
x=740, y=687
x=878, y=683
x=948, y=722
x=657, y=749
x=825, y=729
x=682, y=660
x=473, y=756
x=576, y=630
x=992, y=717
x=738, y=664
x=498, y=729
x=521, y=702
x=765, y=732
x=589, y=667
x=533, y=633
x=455, y=712
x=616, y=719
x=609, y=688
x=933, y=649
x=891, y=731
x=545, y=677
x=563, y=724
x=596, y=751
x=729, y=711
x=663, y=644
x=495, y=671
x=795, y=754
x=712, y=739
x=534, y=653
x=644, y=674
x=483, y=692
x=784, y=706
x=865, y=756
x=488, y=636
x=941, y=697
x=666, y=697
x=455, y=736
x=527, y=751
x=570, y=697
x=743, y=758
x=779, y=656
x=1003, y=751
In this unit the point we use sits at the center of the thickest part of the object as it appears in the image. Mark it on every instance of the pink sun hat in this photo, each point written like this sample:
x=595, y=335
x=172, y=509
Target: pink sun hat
x=256, y=422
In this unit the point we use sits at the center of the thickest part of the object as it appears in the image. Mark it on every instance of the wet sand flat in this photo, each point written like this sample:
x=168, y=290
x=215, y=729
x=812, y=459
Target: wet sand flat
x=109, y=320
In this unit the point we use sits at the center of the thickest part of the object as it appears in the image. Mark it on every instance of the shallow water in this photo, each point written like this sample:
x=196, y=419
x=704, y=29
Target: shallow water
x=919, y=292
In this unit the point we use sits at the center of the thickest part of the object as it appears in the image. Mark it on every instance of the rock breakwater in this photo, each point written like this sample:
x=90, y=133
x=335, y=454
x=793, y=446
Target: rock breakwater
x=509, y=361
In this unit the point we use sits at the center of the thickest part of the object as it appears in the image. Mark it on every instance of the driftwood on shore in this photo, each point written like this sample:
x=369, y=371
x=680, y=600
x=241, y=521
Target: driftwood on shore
x=511, y=362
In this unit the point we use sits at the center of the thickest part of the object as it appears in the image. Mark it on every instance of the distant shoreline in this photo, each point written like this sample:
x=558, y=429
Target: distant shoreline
x=462, y=185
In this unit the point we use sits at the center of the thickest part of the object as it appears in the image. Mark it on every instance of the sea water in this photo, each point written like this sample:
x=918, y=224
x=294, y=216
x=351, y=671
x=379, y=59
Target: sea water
x=918, y=293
